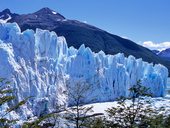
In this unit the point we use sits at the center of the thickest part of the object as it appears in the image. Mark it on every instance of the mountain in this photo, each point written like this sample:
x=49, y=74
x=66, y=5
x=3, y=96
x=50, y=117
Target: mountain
x=78, y=33
x=155, y=51
x=165, y=54
x=40, y=64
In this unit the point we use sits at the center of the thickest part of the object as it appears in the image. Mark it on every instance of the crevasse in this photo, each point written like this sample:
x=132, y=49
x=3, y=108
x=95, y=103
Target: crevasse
x=40, y=64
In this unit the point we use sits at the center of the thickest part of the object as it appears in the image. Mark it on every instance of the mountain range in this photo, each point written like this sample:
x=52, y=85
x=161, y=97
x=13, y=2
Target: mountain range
x=78, y=33
x=163, y=54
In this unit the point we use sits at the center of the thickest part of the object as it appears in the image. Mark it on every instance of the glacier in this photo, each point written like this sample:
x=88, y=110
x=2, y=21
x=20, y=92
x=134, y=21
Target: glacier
x=40, y=64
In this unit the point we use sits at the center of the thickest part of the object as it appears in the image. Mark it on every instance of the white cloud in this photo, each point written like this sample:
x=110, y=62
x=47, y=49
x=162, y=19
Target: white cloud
x=156, y=46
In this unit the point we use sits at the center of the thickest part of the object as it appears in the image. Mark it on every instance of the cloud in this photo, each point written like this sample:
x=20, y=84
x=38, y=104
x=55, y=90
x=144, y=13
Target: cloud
x=156, y=46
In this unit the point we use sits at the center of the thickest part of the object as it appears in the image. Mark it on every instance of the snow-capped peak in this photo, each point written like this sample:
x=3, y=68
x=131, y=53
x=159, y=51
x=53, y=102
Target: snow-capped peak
x=6, y=11
x=49, y=12
x=46, y=10
x=5, y=20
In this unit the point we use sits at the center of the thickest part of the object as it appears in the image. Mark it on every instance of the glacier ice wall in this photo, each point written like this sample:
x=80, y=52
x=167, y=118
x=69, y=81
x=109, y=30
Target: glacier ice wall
x=40, y=64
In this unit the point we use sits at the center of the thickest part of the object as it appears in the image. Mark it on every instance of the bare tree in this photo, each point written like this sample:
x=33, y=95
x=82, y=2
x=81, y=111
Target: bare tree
x=78, y=113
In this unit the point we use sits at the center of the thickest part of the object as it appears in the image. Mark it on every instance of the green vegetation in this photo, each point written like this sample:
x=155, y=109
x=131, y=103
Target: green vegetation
x=135, y=111
x=43, y=121
x=132, y=111
x=6, y=97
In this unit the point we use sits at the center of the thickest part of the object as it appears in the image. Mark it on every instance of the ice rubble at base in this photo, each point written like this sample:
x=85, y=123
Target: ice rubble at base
x=40, y=64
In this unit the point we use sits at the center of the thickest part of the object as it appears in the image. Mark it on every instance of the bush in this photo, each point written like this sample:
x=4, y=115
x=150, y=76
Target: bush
x=6, y=97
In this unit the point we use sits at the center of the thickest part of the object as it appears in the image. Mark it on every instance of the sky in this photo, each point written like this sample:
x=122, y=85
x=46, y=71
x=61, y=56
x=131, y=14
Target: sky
x=146, y=22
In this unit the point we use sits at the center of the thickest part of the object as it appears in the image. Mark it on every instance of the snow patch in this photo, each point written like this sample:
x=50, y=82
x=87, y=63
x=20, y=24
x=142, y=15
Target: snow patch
x=6, y=20
x=156, y=103
x=2, y=16
x=64, y=20
x=54, y=12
